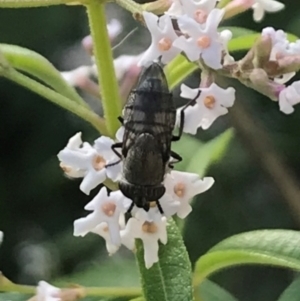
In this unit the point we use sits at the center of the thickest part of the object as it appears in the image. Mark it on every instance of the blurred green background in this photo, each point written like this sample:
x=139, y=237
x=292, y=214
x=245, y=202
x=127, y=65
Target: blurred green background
x=257, y=182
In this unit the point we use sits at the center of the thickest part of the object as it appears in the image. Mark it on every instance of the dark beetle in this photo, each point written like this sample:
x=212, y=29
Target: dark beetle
x=149, y=119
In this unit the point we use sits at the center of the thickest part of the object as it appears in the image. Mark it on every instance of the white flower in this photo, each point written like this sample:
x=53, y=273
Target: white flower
x=150, y=233
x=89, y=162
x=162, y=35
x=175, y=9
x=166, y=202
x=212, y=103
x=226, y=36
x=124, y=63
x=198, y=10
x=106, y=208
x=192, y=119
x=280, y=43
x=281, y=47
x=289, y=97
x=183, y=186
x=1, y=237
x=205, y=43
x=77, y=76
x=114, y=28
x=47, y=292
x=262, y=6
x=120, y=134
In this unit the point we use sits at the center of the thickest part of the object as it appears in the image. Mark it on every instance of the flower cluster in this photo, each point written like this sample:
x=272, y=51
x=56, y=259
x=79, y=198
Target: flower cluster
x=107, y=217
x=190, y=28
x=198, y=38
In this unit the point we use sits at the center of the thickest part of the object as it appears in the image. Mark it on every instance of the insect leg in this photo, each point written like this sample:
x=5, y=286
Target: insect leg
x=121, y=119
x=159, y=207
x=130, y=207
x=117, y=145
x=177, y=157
x=182, y=116
x=113, y=147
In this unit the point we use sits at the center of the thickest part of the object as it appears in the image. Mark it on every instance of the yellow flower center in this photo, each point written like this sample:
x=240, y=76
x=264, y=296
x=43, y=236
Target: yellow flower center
x=209, y=102
x=179, y=189
x=109, y=208
x=164, y=44
x=98, y=162
x=204, y=42
x=149, y=227
x=200, y=16
x=66, y=169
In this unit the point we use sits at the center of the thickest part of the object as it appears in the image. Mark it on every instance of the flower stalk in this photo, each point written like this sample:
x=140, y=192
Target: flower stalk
x=111, y=101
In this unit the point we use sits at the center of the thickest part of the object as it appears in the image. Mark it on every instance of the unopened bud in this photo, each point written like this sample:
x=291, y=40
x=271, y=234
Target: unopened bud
x=260, y=82
x=262, y=51
x=158, y=7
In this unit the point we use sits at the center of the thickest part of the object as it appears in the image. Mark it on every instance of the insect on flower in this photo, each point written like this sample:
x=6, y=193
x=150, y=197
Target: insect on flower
x=149, y=119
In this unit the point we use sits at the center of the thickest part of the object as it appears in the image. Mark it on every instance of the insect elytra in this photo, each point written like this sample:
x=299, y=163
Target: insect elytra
x=149, y=119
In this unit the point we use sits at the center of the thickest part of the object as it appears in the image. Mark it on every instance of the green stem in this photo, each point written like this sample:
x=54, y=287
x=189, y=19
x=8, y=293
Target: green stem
x=22, y=289
x=113, y=291
x=223, y=3
x=130, y=5
x=35, y=3
x=89, y=291
x=36, y=65
x=60, y=100
x=104, y=60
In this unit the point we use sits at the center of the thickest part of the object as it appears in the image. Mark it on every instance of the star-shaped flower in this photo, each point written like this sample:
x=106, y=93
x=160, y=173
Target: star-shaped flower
x=162, y=35
x=166, y=202
x=89, y=162
x=289, y=97
x=212, y=103
x=106, y=208
x=202, y=43
x=103, y=231
x=150, y=233
x=198, y=10
x=47, y=292
x=261, y=6
x=183, y=186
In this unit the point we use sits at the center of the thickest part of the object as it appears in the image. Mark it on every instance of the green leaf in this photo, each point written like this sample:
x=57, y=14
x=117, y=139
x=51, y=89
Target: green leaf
x=198, y=156
x=171, y=278
x=210, y=291
x=292, y=292
x=138, y=299
x=118, y=272
x=13, y=297
x=264, y=247
x=210, y=153
x=238, y=31
x=36, y=65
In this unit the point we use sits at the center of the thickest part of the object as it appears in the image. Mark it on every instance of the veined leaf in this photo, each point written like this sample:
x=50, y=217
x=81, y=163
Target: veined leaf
x=292, y=292
x=264, y=247
x=171, y=278
x=198, y=156
x=210, y=291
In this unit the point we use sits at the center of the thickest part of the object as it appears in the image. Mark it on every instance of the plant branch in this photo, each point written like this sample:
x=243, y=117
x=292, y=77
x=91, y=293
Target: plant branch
x=60, y=100
x=36, y=3
x=131, y=6
x=104, y=60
